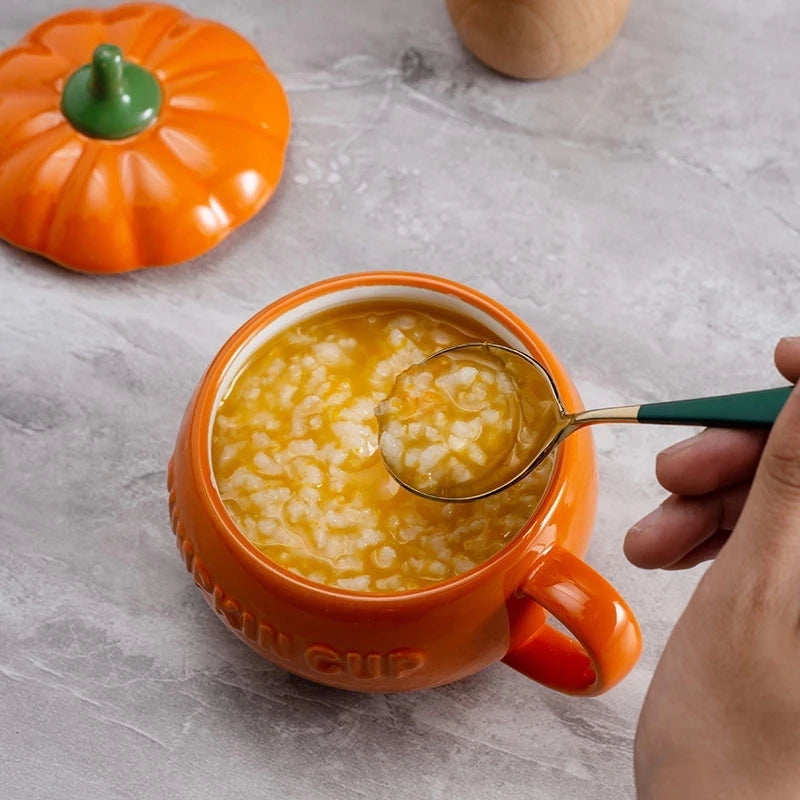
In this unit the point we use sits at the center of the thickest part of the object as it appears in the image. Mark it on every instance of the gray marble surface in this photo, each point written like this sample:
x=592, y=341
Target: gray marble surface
x=643, y=215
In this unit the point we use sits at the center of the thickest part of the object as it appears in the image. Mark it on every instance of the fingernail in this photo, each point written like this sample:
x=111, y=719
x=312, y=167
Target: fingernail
x=791, y=339
x=645, y=523
x=678, y=446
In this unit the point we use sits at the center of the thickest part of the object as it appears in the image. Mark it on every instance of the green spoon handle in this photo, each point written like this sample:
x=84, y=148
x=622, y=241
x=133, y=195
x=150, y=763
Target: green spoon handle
x=745, y=410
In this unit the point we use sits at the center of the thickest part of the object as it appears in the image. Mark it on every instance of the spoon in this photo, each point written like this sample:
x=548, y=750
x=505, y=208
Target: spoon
x=473, y=419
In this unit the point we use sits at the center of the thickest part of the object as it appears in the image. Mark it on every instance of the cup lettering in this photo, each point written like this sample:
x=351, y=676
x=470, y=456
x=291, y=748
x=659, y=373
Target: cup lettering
x=275, y=641
x=363, y=666
x=404, y=661
x=397, y=663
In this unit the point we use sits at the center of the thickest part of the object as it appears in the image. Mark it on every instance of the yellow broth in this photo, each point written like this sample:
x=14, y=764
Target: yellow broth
x=296, y=460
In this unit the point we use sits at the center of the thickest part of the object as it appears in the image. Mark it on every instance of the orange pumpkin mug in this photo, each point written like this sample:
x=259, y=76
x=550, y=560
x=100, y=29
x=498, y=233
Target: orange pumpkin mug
x=424, y=637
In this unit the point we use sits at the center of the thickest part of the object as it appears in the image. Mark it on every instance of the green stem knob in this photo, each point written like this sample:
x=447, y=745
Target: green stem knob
x=111, y=98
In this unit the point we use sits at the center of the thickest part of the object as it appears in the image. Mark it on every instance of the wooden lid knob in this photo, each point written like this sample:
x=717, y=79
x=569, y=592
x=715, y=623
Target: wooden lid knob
x=536, y=39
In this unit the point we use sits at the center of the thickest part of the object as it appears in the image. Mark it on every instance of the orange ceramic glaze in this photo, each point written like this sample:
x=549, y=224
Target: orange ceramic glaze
x=209, y=161
x=425, y=637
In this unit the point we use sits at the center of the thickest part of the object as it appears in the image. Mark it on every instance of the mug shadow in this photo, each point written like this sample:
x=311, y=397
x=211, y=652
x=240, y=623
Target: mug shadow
x=492, y=729
x=255, y=675
x=249, y=679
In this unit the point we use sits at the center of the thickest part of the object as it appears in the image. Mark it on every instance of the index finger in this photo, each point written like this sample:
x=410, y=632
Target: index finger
x=713, y=459
x=787, y=358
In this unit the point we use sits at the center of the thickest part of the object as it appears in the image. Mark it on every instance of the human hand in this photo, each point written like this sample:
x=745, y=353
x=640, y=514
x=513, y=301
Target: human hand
x=709, y=477
x=721, y=717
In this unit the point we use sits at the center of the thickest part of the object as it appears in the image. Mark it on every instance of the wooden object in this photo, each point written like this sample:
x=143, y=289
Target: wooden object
x=536, y=39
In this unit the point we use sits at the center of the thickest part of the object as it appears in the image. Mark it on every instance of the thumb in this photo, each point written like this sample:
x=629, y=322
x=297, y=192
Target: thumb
x=770, y=519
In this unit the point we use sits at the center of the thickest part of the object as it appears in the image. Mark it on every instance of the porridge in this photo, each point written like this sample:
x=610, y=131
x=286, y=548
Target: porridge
x=296, y=460
x=465, y=422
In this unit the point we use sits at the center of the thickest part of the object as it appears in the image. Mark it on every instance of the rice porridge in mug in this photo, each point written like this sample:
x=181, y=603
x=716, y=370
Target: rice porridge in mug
x=295, y=455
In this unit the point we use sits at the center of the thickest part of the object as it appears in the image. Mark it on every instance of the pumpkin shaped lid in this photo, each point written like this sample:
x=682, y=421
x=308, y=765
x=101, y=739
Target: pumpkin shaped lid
x=136, y=136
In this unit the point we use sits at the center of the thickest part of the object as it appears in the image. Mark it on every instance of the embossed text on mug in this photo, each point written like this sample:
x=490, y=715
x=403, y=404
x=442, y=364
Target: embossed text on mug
x=397, y=663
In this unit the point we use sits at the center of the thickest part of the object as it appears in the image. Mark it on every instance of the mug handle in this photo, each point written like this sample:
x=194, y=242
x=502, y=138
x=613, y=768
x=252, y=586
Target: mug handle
x=607, y=641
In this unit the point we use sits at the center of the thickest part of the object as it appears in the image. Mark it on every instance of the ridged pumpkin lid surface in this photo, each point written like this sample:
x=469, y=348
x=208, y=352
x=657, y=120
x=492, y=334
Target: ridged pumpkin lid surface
x=133, y=137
